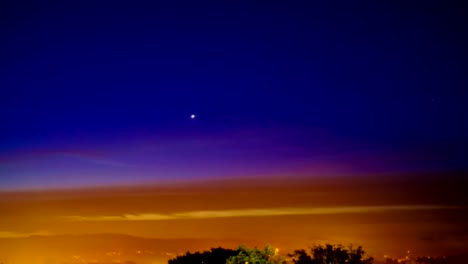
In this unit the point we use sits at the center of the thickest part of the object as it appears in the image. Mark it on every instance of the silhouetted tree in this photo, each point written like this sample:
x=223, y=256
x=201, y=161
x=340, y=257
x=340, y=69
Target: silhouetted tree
x=214, y=256
x=331, y=254
x=256, y=256
x=301, y=257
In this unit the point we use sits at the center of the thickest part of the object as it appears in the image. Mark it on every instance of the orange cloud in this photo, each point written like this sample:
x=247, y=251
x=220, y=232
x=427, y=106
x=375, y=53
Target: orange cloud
x=256, y=212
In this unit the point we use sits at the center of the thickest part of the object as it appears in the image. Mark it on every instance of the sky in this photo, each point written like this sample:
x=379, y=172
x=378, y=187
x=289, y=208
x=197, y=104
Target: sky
x=315, y=121
x=102, y=93
x=387, y=217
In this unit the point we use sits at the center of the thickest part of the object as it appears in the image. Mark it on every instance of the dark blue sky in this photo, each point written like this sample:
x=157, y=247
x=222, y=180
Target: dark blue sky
x=376, y=77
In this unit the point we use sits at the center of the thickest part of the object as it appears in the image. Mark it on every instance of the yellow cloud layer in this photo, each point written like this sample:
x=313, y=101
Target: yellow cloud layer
x=256, y=212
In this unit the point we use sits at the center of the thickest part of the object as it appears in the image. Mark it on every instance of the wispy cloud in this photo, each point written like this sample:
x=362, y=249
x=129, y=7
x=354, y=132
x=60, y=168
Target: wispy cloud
x=94, y=159
x=256, y=213
x=8, y=234
x=89, y=157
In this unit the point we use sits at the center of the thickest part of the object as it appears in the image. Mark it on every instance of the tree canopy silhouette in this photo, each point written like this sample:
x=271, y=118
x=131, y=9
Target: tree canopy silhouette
x=214, y=256
x=330, y=254
x=255, y=256
x=321, y=254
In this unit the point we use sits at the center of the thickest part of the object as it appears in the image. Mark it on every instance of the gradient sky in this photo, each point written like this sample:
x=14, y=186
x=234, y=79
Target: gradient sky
x=102, y=92
x=316, y=121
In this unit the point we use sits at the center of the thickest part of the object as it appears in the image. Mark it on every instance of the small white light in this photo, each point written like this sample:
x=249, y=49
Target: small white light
x=192, y=116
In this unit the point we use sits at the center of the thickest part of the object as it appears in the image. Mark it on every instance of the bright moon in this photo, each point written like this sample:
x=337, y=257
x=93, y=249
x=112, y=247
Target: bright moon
x=192, y=116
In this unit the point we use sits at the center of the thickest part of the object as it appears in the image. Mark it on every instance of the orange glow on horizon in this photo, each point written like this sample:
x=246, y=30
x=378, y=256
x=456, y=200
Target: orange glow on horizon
x=159, y=223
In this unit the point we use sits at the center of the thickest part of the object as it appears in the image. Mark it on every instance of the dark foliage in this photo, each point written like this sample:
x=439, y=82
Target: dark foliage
x=267, y=255
x=214, y=256
x=330, y=254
